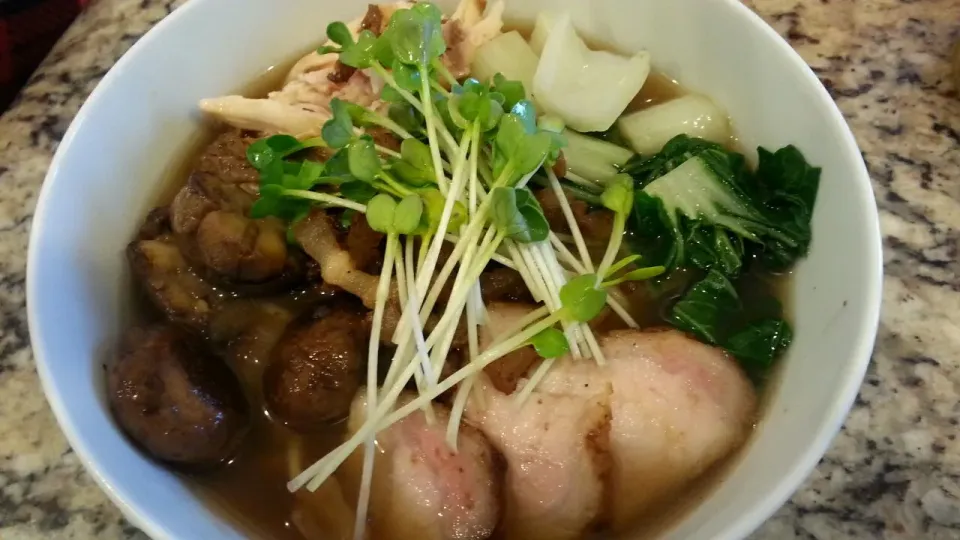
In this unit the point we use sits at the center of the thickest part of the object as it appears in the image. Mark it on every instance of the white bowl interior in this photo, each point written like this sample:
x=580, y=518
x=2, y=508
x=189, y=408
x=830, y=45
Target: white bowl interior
x=142, y=117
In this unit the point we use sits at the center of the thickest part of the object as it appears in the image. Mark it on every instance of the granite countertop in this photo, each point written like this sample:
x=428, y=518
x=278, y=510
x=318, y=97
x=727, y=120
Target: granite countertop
x=893, y=472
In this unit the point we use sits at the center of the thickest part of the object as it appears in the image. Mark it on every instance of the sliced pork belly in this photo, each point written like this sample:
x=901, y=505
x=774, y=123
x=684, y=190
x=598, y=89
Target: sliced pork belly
x=556, y=460
x=616, y=439
x=677, y=406
x=421, y=489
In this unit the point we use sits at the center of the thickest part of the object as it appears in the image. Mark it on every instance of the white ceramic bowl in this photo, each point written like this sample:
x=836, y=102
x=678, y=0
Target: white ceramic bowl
x=140, y=119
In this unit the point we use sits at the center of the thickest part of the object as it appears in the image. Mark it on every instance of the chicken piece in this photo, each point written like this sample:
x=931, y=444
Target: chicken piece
x=554, y=448
x=421, y=488
x=318, y=236
x=677, y=407
x=302, y=106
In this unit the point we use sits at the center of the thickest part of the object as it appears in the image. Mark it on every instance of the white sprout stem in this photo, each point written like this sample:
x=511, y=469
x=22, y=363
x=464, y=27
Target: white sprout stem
x=383, y=294
x=429, y=264
x=548, y=258
x=464, y=247
x=470, y=269
x=387, y=152
x=500, y=258
x=553, y=290
x=525, y=321
x=425, y=374
x=432, y=131
x=614, y=303
x=537, y=275
x=412, y=99
x=577, y=179
x=613, y=247
x=583, y=330
x=524, y=270
x=323, y=468
x=434, y=254
x=533, y=382
x=386, y=122
x=325, y=198
x=571, y=220
x=424, y=248
x=450, y=318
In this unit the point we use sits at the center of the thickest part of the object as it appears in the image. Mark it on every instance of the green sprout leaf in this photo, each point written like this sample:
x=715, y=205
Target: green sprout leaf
x=618, y=195
x=516, y=150
x=472, y=102
x=640, y=274
x=518, y=215
x=433, y=203
x=339, y=33
x=358, y=191
x=363, y=160
x=380, y=213
x=406, y=116
x=406, y=218
x=415, y=165
x=512, y=91
x=415, y=35
x=308, y=176
x=621, y=264
x=551, y=343
x=407, y=77
x=276, y=147
x=581, y=299
x=338, y=131
x=527, y=112
x=360, y=54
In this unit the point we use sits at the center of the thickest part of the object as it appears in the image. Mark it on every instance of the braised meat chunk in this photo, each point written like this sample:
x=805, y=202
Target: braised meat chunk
x=182, y=405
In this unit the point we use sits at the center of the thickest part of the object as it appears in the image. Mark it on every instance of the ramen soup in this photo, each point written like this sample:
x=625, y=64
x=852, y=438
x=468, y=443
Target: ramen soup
x=448, y=280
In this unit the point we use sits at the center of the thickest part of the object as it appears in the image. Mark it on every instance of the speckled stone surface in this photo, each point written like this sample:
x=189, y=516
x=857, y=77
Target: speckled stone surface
x=894, y=470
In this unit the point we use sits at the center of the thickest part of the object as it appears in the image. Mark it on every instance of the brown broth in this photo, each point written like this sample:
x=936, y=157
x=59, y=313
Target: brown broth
x=251, y=491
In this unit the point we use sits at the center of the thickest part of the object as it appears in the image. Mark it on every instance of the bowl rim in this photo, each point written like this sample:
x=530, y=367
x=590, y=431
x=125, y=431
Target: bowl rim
x=747, y=522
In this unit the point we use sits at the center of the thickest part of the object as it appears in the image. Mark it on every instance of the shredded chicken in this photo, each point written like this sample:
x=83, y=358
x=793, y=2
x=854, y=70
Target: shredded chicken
x=318, y=236
x=302, y=106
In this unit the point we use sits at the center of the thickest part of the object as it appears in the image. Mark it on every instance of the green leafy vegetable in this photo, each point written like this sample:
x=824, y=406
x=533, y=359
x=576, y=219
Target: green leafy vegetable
x=760, y=343
x=698, y=205
x=517, y=213
x=706, y=309
x=415, y=35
